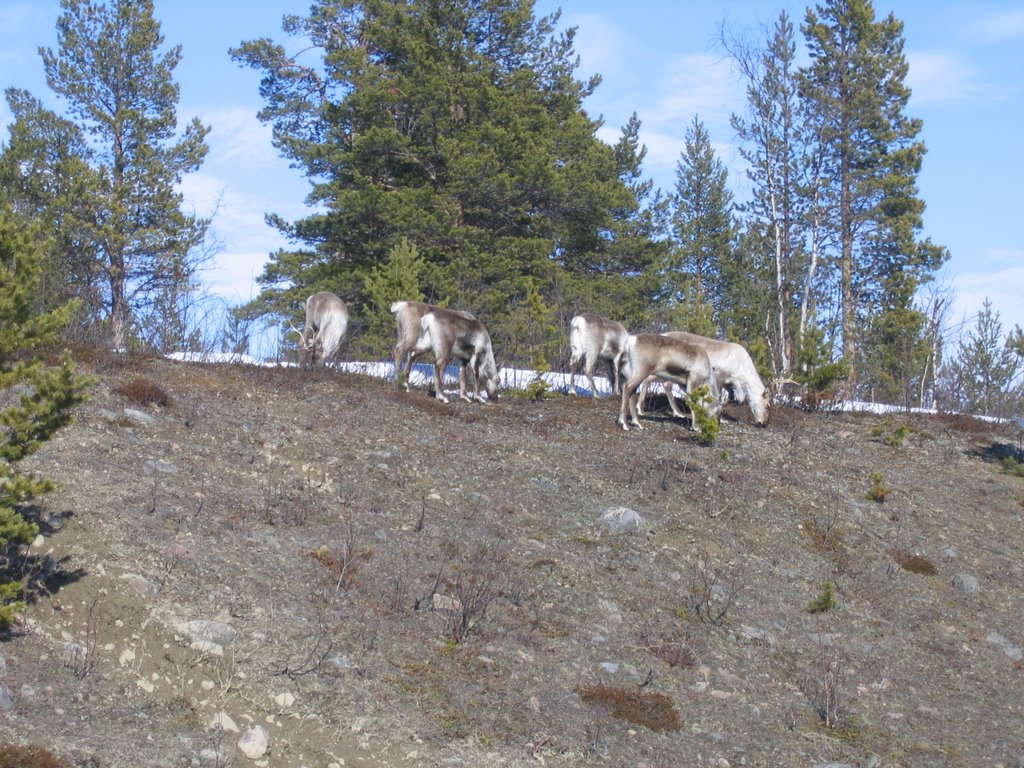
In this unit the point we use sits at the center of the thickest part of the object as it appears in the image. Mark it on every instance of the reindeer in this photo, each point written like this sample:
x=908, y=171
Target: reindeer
x=407, y=317
x=735, y=374
x=326, y=323
x=450, y=333
x=593, y=338
x=674, y=360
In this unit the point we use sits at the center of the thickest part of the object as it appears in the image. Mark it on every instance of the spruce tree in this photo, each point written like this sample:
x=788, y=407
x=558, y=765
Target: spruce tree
x=704, y=230
x=37, y=399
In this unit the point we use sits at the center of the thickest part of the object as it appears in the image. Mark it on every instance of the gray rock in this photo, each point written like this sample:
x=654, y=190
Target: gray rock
x=610, y=667
x=757, y=635
x=1009, y=648
x=143, y=587
x=966, y=584
x=203, y=631
x=254, y=742
x=622, y=520
x=6, y=703
x=163, y=467
x=140, y=417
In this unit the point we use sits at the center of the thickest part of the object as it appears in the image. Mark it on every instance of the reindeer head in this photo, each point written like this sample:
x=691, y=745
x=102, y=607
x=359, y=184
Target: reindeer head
x=307, y=346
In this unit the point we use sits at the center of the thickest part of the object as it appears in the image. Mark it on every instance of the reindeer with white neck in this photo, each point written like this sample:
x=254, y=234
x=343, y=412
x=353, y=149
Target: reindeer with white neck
x=452, y=333
x=672, y=360
x=407, y=318
x=326, y=323
x=593, y=338
x=735, y=374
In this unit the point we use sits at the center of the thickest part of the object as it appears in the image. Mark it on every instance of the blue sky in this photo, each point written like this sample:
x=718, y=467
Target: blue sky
x=658, y=59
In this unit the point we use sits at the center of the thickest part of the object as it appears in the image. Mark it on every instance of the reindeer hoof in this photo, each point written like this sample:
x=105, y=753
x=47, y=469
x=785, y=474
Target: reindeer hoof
x=442, y=398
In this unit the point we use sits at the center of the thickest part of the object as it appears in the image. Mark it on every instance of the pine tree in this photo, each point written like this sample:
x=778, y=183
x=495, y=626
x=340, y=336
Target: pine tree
x=397, y=279
x=773, y=147
x=457, y=124
x=983, y=377
x=115, y=163
x=853, y=99
x=43, y=397
x=704, y=231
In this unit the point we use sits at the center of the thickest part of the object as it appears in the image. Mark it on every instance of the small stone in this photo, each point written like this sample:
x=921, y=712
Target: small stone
x=139, y=416
x=967, y=584
x=622, y=520
x=284, y=699
x=1009, y=648
x=254, y=742
x=223, y=721
x=208, y=631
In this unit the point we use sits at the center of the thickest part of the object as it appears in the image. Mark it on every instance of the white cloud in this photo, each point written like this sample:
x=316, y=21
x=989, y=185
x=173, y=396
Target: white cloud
x=237, y=135
x=697, y=84
x=601, y=45
x=942, y=77
x=1007, y=25
x=232, y=275
x=1004, y=288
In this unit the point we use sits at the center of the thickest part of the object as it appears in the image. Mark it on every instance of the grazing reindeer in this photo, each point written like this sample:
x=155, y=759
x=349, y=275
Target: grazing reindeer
x=735, y=374
x=680, y=362
x=407, y=317
x=593, y=338
x=450, y=333
x=326, y=323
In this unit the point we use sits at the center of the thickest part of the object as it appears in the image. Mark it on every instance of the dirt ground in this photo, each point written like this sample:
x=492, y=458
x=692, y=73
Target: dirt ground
x=368, y=577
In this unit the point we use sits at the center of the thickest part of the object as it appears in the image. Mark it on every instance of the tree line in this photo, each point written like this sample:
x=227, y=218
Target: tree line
x=450, y=158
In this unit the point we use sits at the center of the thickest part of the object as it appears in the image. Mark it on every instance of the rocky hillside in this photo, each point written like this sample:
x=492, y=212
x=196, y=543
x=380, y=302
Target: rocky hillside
x=284, y=569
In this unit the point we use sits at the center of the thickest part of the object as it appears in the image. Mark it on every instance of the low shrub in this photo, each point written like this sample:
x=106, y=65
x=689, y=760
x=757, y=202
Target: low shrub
x=144, y=391
x=913, y=563
x=29, y=756
x=651, y=710
x=877, y=492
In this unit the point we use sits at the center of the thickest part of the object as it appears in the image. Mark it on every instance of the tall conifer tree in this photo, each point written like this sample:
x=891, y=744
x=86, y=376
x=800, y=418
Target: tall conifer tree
x=456, y=124
x=854, y=98
x=704, y=230
x=115, y=161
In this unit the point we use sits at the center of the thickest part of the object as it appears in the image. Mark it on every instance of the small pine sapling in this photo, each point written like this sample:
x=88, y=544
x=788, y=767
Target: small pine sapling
x=699, y=402
x=825, y=601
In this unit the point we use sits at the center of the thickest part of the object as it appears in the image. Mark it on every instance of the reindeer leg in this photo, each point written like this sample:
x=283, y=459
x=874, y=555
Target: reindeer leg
x=589, y=370
x=464, y=370
x=629, y=403
x=573, y=364
x=642, y=397
x=667, y=386
x=440, y=362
